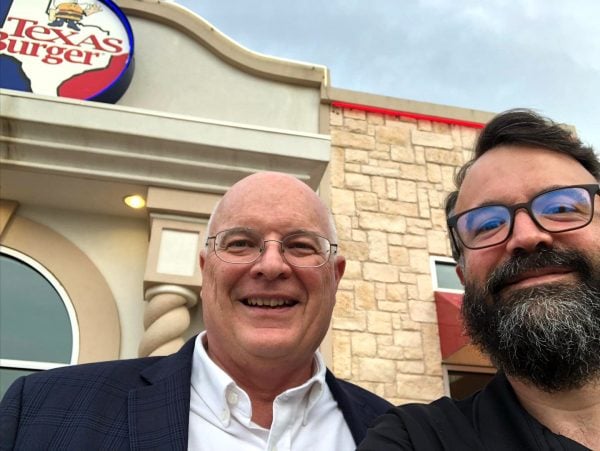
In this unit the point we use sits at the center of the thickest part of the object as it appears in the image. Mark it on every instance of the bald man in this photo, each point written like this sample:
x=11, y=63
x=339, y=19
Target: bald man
x=252, y=380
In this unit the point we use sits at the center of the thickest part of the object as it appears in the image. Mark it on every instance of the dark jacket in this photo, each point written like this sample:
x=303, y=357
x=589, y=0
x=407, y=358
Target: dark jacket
x=129, y=404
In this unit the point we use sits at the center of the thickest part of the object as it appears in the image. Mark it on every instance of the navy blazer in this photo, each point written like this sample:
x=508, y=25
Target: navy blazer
x=130, y=404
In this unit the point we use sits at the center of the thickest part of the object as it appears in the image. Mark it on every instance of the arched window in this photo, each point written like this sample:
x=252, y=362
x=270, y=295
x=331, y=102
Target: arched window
x=38, y=325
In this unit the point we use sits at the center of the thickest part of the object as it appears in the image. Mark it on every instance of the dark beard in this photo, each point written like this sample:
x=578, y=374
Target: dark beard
x=548, y=335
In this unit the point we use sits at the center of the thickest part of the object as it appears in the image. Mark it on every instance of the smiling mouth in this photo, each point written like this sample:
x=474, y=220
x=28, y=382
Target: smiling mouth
x=269, y=303
x=538, y=276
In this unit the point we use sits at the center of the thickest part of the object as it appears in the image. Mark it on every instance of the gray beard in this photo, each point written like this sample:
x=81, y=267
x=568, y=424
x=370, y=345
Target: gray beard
x=546, y=335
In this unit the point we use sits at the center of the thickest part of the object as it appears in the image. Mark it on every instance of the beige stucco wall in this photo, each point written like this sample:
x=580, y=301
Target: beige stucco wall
x=389, y=179
x=117, y=246
x=175, y=74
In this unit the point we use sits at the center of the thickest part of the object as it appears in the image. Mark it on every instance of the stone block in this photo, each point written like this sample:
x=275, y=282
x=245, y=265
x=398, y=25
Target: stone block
x=441, y=156
x=378, y=246
x=422, y=311
x=430, y=139
x=383, y=222
x=379, y=322
x=356, y=156
x=408, y=339
x=419, y=260
x=375, y=118
x=413, y=172
x=424, y=388
x=342, y=354
x=376, y=370
x=392, y=307
x=354, y=114
x=343, y=225
x=337, y=167
x=432, y=356
x=354, y=250
x=380, y=272
x=366, y=201
x=424, y=287
x=437, y=242
x=335, y=117
x=415, y=241
x=424, y=125
x=356, y=322
x=392, y=189
x=410, y=367
x=342, y=202
x=378, y=186
x=358, y=182
x=404, y=154
x=390, y=352
x=364, y=344
x=353, y=270
x=397, y=134
x=359, y=235
x=396, y=292
x=398, y=255
x=344, y=138
x=344, y=303
x=407, y=190
x=434, y=173
x=468, y=136
x=380, y=170
x=355, y=125
x=364, y=295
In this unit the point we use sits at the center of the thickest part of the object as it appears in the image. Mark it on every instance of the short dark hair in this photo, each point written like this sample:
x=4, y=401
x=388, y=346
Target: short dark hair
x=525, y=128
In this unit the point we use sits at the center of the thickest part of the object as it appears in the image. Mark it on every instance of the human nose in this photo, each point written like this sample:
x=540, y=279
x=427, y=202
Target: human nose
x=271, y=263
x=527, y=235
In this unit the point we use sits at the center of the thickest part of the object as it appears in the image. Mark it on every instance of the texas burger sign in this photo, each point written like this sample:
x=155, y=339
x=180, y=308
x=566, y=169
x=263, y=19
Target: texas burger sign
x=81, y=49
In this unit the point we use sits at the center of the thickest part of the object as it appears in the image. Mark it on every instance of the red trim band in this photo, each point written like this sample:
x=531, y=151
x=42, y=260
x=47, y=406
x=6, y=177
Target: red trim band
x=373, y=109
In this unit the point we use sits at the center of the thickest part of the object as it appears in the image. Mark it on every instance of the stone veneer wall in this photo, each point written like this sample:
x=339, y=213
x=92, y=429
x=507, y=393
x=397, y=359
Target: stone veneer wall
x=389, y=180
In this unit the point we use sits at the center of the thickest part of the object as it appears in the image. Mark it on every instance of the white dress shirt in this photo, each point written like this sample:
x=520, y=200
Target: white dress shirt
x=304, y=418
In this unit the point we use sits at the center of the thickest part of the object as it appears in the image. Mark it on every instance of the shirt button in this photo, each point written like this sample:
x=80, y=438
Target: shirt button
x=225, y=415
x=232, y=398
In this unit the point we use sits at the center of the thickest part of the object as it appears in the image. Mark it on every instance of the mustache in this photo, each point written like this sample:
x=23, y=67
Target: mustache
x=543, y=258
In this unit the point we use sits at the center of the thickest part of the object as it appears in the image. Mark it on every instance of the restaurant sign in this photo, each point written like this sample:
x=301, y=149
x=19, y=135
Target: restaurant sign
x=81, y=49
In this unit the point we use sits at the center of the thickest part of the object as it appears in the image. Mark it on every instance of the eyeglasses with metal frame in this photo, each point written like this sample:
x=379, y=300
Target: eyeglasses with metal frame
x=555, y=210
x=244, y=245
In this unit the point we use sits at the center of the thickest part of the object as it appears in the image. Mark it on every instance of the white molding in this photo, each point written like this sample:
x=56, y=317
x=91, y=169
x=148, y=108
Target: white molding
x=433, y=259
x=29, y=365
x=132, y=145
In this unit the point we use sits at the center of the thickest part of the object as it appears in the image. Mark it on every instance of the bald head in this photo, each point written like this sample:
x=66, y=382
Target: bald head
x=276, y=193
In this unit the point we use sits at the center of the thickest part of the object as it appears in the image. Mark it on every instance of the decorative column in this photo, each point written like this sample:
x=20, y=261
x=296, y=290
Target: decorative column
x=173, y=280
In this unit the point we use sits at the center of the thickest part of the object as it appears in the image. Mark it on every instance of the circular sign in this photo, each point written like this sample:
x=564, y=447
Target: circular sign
x=82, y=49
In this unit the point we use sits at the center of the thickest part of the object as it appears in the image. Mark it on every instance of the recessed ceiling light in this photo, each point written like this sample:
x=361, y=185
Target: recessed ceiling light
x=135, y=201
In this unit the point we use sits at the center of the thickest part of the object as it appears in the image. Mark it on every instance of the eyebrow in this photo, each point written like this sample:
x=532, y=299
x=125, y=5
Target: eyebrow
x=487, y=203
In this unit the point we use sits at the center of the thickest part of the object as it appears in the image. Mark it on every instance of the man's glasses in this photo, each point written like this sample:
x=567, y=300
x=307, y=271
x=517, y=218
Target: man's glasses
x=556, y=210
x=302, y=249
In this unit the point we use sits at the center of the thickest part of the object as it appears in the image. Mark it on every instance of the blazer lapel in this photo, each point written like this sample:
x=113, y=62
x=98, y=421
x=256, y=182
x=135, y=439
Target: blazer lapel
x=159, y=412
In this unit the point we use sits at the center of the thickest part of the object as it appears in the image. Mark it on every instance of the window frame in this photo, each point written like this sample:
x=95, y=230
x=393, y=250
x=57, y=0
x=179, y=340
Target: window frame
x=64, y=297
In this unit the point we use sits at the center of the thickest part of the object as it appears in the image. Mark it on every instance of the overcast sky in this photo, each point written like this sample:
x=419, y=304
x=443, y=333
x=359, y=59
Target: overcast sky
x=489, y=55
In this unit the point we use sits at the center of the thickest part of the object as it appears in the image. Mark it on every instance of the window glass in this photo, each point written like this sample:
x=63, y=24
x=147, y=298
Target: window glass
x=446, y=276
x=8, y=376
x=34, y=322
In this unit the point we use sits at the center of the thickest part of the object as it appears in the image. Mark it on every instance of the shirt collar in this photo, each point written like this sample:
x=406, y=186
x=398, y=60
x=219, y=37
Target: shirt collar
x=213, y=385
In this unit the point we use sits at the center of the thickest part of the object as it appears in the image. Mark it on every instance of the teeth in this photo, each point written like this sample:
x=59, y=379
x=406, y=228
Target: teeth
x=258, y=302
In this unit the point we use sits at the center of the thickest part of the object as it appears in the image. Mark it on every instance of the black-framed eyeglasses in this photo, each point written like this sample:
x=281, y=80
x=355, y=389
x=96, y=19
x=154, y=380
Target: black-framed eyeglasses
x=244, y=245
x=556, y=210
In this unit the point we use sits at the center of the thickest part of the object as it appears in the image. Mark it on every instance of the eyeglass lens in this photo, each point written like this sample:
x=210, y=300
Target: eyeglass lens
x=245, y=245
x=555, y=211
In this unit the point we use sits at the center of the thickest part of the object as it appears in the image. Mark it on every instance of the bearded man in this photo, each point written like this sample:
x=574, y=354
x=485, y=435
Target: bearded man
x=525, y=230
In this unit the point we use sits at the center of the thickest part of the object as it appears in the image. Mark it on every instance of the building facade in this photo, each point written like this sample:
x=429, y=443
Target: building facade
x=201, y=113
